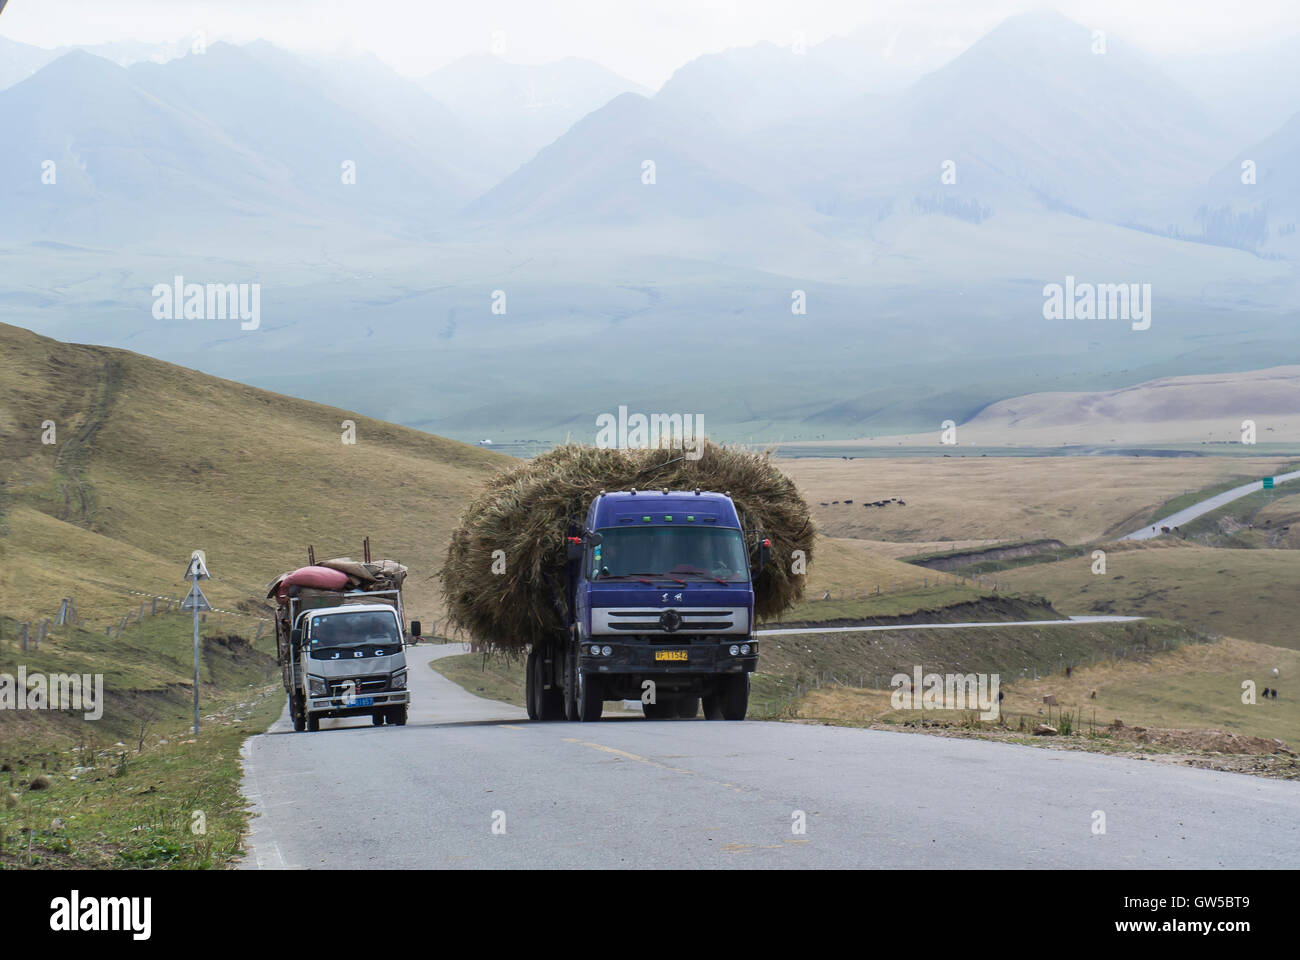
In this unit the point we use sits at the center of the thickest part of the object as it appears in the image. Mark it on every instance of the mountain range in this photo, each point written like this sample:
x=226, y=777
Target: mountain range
x=915, y=190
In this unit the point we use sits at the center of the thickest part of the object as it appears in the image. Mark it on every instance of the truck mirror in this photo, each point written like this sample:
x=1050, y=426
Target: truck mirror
x=295, y=636
x=575, y=548
x=415, y=628
x=594, y=539
x=764, y=553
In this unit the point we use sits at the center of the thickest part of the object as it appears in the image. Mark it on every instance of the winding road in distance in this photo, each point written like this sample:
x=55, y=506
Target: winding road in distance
x=1205, y=506
x=633, y=793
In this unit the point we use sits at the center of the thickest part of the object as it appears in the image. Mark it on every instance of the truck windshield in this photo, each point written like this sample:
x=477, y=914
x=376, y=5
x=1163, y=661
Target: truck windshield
x=353, y=629
x=681, y=552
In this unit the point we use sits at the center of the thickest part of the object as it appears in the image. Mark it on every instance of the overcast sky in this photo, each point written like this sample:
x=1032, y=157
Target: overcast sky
x=644, y=41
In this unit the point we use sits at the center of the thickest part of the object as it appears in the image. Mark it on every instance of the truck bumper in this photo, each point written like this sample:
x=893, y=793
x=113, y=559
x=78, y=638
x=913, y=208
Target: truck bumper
x=644, y=659
x=357, y=706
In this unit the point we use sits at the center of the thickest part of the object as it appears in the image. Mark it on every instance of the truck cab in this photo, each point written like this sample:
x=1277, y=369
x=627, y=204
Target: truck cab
x=661, y=602
x=349, y=660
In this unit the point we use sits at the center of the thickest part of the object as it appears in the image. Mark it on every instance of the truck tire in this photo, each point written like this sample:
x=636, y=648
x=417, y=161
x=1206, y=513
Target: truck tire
x=571, y=686
x=530, y=685
x=735, y=696
x=688, y=707
x=551, y=702
x=397, y=716
x=589, y=697
x=713, y=705
x=546, y=705
x=377, y=718
x=313, y=723
x=296, y=713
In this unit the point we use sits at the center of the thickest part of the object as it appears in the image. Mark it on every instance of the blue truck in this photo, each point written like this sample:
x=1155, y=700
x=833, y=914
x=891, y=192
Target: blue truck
x=657, y=600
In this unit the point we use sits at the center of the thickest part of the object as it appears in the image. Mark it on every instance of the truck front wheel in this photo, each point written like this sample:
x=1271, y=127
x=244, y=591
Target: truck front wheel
x=734, y=694
x=313, y=723
x=589, y=697
x=397, y=716
x=297, y=714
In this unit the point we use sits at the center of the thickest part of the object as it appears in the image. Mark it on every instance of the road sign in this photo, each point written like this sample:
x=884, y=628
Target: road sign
x=195, y=600
x=196, y=570
x=1268, y=483
x=198, y=567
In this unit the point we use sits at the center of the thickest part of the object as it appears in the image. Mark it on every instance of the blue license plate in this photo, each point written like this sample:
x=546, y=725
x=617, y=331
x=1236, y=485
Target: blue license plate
x=362, y=701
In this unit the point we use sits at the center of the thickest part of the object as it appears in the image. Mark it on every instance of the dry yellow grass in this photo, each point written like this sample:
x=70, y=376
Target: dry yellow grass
x=154, y=460
x=843, y=564
x=1195, y=687
x=956, y=499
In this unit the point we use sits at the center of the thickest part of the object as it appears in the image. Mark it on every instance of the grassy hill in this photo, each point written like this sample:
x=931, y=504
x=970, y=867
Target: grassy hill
x=1248, y=594
x=154, y=460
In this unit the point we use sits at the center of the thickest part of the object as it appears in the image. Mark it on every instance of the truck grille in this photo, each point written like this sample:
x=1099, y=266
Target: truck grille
x=364, y=685
x=669, y=620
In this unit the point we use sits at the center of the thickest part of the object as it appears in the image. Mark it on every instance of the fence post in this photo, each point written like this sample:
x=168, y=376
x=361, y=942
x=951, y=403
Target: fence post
x=22, y=636
x=153, y=607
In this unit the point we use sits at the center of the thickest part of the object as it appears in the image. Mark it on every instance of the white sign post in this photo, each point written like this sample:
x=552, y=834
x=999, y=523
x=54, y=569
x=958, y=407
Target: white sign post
x=195, y=600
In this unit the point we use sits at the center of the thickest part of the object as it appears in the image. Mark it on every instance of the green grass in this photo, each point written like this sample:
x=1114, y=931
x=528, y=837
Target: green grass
x=123, y=790
x=1248, y=594
x=494, y=678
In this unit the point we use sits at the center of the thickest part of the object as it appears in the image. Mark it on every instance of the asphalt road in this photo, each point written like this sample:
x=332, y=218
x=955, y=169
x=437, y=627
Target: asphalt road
x=634, y=793
x=1205, y=506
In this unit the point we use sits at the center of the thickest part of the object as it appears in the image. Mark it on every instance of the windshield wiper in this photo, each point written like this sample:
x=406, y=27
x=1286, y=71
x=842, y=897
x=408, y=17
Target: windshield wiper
x=641, y=577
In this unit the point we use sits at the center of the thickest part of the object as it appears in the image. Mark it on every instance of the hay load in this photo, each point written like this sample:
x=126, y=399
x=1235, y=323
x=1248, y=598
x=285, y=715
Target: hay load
x=505, y=564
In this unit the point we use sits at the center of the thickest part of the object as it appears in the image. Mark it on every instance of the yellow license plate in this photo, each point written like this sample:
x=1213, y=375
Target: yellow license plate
x=670, y=655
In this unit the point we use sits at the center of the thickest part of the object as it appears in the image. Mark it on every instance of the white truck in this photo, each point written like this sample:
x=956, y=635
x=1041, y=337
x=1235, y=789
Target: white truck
x=342, y=650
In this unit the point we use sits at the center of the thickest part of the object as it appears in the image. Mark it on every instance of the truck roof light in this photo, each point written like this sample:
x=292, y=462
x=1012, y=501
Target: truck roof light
x=697, y=491
x=645, y=519
x=634, y=491
x=690, y=518
x=668, y=517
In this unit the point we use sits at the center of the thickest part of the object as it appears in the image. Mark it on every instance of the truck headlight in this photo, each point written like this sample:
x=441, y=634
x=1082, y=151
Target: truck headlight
x=399, y=680
x=316, y=687
x=605, y=651
x=734, y=651
x=744, y=649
